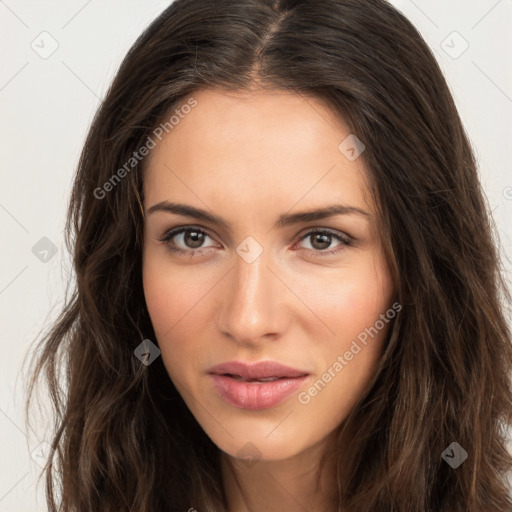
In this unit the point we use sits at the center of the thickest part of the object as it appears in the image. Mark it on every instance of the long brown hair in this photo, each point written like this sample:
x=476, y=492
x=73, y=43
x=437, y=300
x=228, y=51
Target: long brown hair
x=124, y=438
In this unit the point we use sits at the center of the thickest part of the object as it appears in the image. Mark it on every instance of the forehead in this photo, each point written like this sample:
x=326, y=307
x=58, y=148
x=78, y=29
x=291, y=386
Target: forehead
x=255, y=147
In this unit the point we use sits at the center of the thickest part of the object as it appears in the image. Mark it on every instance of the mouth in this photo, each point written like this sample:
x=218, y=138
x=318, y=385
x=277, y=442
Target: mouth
x=256, y=386
x=260, y=371
x=261, y=379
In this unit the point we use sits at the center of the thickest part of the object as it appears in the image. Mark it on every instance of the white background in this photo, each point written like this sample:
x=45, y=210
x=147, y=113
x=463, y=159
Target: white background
x=48, y=104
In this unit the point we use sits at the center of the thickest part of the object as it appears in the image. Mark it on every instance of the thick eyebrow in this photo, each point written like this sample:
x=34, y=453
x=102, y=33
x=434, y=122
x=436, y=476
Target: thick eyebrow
x=285, y=219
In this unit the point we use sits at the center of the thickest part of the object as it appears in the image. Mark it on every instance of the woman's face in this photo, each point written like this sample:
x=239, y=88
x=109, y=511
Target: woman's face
x=250, y=281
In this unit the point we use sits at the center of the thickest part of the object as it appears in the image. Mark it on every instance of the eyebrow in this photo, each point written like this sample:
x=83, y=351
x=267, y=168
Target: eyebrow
x=286, y=219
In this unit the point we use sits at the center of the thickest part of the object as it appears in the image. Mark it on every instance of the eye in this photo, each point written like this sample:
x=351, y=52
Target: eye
x=321, y=239
x=191, y=238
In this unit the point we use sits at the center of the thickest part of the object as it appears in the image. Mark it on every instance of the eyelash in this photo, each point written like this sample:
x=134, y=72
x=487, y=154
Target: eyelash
x=167, y=239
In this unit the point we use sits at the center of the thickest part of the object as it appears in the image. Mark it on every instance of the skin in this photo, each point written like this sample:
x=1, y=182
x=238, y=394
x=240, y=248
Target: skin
x=250, y=157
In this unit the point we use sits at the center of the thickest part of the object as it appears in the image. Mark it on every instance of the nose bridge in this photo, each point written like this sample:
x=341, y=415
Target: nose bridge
x=251, y=302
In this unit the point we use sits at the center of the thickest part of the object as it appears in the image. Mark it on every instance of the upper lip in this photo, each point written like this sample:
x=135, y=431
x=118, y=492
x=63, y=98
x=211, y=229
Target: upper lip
x=259, y=370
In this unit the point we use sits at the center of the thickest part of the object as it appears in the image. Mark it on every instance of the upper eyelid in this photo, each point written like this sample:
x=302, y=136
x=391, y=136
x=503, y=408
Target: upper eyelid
x=171, y=233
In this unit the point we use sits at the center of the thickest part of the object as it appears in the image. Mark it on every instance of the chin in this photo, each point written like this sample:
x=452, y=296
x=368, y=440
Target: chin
x=249, y=452
x=260, y=441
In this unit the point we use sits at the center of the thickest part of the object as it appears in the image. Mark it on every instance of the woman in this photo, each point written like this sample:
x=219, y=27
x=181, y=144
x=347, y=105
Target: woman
x=288, y=291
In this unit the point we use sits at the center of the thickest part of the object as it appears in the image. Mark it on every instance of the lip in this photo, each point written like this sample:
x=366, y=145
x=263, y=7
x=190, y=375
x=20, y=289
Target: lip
x=236, y=384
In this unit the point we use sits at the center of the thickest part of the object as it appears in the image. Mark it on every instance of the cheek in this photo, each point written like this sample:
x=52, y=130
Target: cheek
x=166, y=300
x=161, y=298
x=352, y=301
x=352, y=307
x=171, y=295
x=362, y=325
x=177, y=304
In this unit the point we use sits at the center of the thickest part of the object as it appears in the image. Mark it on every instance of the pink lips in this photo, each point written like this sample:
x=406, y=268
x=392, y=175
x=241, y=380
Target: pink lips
x=256, y=386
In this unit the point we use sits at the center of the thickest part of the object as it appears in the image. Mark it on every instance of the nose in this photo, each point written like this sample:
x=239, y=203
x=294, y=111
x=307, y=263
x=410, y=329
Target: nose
x=252, y=305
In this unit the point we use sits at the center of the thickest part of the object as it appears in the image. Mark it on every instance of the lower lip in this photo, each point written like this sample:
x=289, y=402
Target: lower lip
x=256, y=395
